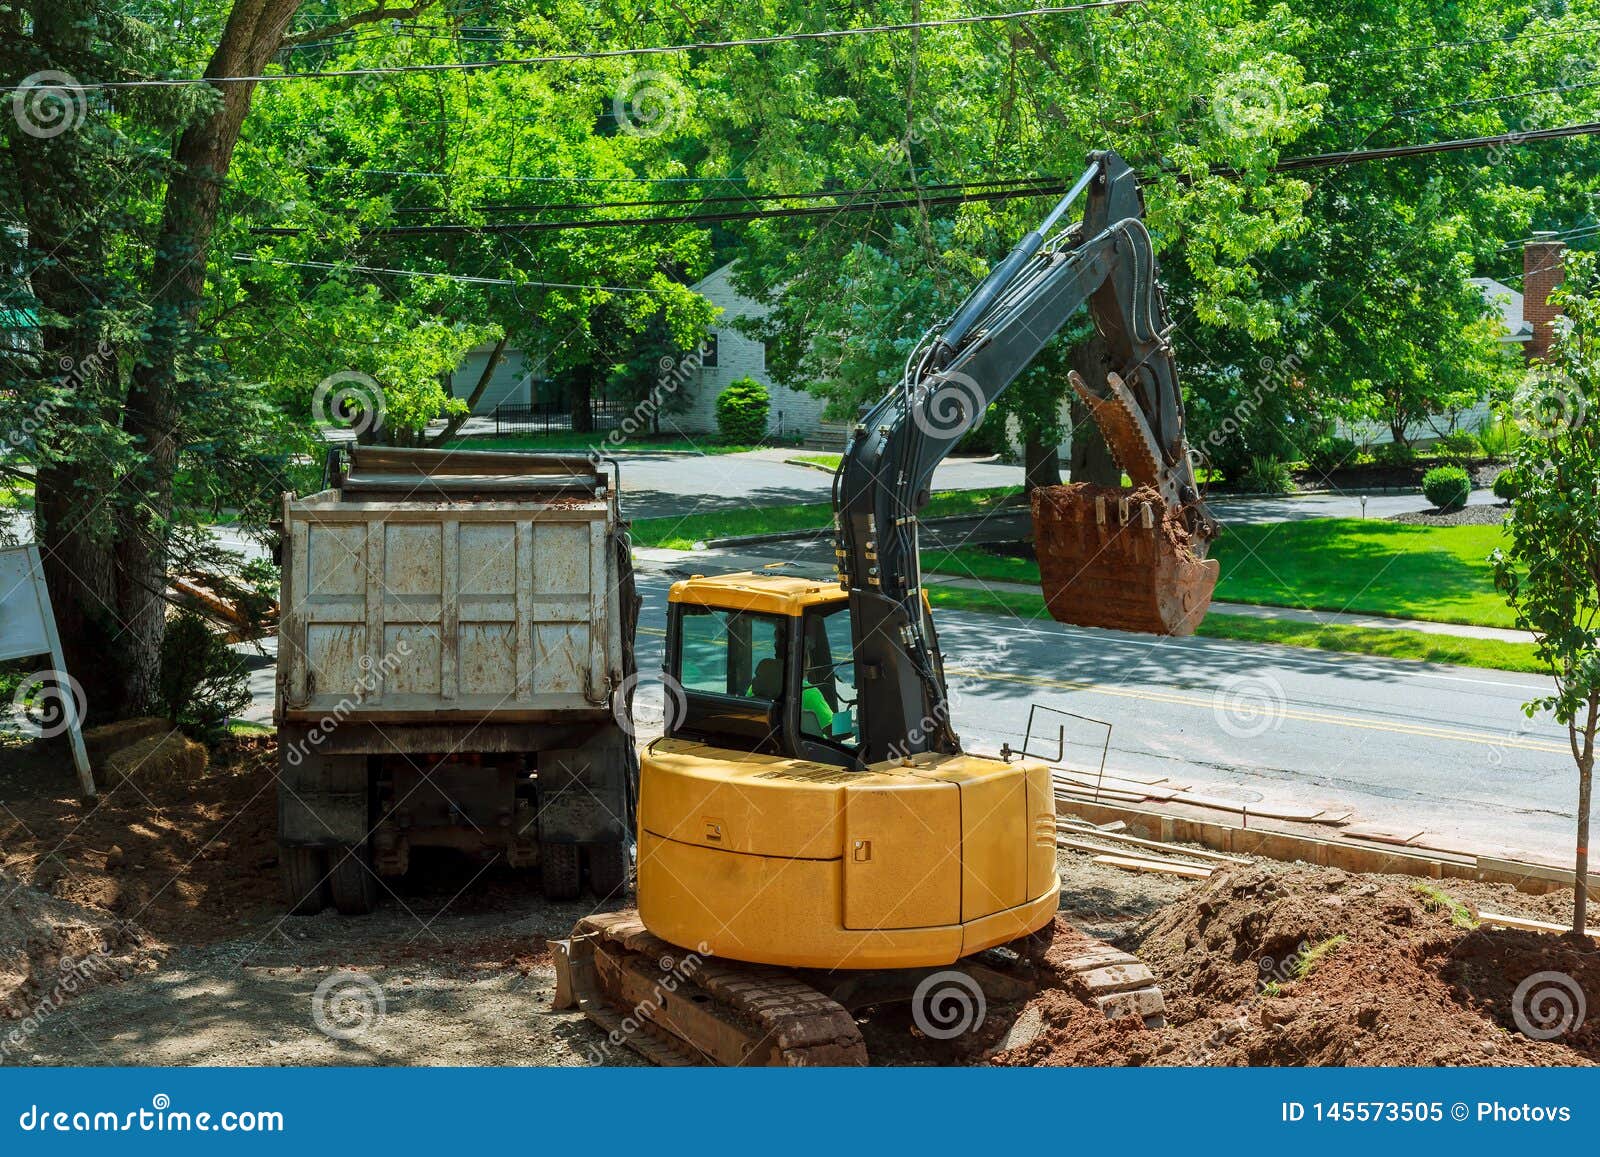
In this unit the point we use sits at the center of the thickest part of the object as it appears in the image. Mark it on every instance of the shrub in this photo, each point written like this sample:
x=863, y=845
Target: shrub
x=1505, y=486
x=202, y=680
x=1499, y=437
x=1267, y=475
x=1459, y=446
x=742, y=411
x=1394, y=454
x=1447, y=487
x=1328, y=453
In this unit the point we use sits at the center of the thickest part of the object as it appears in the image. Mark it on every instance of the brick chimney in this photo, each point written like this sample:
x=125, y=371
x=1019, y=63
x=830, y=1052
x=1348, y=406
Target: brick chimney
x=1543, y=259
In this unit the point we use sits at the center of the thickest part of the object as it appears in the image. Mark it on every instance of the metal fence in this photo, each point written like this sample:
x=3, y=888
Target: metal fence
x=556, y=417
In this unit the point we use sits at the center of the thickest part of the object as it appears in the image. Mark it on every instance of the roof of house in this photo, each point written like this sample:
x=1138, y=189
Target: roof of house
x=1509, y=302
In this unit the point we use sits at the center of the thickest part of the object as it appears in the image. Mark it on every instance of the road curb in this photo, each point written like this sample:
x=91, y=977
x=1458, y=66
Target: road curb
x=823, y=531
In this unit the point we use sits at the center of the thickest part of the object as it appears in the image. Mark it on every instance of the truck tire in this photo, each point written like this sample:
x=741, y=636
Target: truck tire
x=608, y=869
x=352, y=882
x=559, y=871
x=304, y=873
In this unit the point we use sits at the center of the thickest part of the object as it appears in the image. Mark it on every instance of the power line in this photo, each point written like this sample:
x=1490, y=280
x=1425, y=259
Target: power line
x=252, y=259
x=598, y=54
x=1045, y=186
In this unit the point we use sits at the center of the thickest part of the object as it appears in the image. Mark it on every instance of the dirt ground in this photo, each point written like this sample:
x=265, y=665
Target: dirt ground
x=148, y=929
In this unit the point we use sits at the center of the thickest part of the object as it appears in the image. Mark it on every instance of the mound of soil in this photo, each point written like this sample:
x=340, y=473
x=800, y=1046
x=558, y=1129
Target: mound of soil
x=1304, y=966
x=186, y=860
x=52, y=950
x=1483, y=514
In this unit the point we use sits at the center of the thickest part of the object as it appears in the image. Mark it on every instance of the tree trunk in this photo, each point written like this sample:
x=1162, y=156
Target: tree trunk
x=496, y=356
x=201, y=160
x=1041, y=463
x=1580, y=867
x=582, y=387
x=1091, y=459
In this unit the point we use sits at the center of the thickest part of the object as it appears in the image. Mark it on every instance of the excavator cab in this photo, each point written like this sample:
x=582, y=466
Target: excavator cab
x=765, y=665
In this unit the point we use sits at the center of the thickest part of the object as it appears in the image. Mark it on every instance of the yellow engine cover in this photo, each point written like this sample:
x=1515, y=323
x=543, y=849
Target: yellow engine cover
x=782, y=861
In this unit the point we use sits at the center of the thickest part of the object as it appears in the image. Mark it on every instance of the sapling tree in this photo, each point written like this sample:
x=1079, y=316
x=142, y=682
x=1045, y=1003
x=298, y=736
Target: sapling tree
x=1550, y=572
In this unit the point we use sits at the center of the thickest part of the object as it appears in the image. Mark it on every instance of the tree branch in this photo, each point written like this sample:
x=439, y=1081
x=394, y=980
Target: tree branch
x=370, y=16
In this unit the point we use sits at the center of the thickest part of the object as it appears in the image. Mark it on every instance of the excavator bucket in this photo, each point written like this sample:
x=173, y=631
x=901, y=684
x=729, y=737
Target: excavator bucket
x=1119, y=558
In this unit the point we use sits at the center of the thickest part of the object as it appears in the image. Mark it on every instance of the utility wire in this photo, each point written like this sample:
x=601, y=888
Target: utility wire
x=252, y=259
x=597, y=54
x=1046, y=186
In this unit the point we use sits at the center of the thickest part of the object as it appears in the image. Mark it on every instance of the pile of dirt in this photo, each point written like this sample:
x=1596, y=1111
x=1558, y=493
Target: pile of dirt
x=52, y=950
x=1307, y=966
x=189, y=859
x=1116, y=571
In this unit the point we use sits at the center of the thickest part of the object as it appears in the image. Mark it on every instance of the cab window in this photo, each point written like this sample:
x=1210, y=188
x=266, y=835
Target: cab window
x=731, y=653
x=828, y=693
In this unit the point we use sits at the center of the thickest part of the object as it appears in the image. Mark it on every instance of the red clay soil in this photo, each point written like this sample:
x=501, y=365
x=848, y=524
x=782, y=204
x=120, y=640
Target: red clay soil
x=1273, y=966
x=1114, y=574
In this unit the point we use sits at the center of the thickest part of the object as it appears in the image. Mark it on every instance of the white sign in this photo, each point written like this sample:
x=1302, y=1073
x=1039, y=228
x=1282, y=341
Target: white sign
x=24, y=612
x=28, y=627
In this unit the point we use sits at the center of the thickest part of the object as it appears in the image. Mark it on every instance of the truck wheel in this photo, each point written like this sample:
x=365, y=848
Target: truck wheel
x=608, y=869
x=558, y=871
x=304, y=874
x=354, y=887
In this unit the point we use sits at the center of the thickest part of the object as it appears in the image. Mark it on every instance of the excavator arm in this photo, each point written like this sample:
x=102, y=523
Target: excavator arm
x=952, y=376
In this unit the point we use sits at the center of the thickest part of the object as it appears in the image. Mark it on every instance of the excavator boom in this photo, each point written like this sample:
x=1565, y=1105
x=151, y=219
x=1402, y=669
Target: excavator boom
x=1155, y=556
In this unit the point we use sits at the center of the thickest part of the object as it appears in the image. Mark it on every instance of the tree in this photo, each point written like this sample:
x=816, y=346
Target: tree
x=1550, y=573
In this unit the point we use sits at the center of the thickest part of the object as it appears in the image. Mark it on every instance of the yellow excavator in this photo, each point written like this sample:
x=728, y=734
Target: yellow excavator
x=812, y=839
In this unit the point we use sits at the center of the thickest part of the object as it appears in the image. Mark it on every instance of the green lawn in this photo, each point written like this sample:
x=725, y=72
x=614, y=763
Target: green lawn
x=583, y=443
x=683, y=533
x=825, y=461
x=1371, y=566
x=1393, y=644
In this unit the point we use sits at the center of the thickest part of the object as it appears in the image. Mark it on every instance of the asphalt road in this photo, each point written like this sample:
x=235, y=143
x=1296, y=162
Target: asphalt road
x=1444, y=750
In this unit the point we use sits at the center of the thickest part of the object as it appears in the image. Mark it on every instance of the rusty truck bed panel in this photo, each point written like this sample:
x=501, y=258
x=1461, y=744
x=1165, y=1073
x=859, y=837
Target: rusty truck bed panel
x=430, y=608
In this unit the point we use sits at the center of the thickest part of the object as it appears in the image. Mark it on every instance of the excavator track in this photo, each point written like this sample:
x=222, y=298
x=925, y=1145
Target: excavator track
x=678, y=1008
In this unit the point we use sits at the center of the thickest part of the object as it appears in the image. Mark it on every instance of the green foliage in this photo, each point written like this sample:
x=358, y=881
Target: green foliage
x=1438, y=900
x=1447, y=487
x=1499, y=436
x=1328, y=453
x=1267, y=475
x=1505, y=485
x=1394, y=454
x=1308, y=961
x=1550, y=572
x=1461, y=446
x=742, y=411
x=202, y=680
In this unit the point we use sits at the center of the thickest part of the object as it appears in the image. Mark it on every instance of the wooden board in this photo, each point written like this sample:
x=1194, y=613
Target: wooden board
x=1527, y=924
x=1135, y=864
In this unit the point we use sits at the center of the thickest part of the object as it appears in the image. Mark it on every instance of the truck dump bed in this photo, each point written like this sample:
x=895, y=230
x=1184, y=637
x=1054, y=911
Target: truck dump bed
x=436, y=586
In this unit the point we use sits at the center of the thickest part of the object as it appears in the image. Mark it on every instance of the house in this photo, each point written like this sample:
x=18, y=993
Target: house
x=731, y=355
x=1527, y=322
x=513, y=383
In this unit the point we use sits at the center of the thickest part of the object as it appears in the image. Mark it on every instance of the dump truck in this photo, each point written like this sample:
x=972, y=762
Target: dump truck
x=455, y=658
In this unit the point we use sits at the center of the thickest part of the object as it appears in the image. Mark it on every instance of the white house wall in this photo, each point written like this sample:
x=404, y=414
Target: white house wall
x=792, y=412
x=509, y=386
